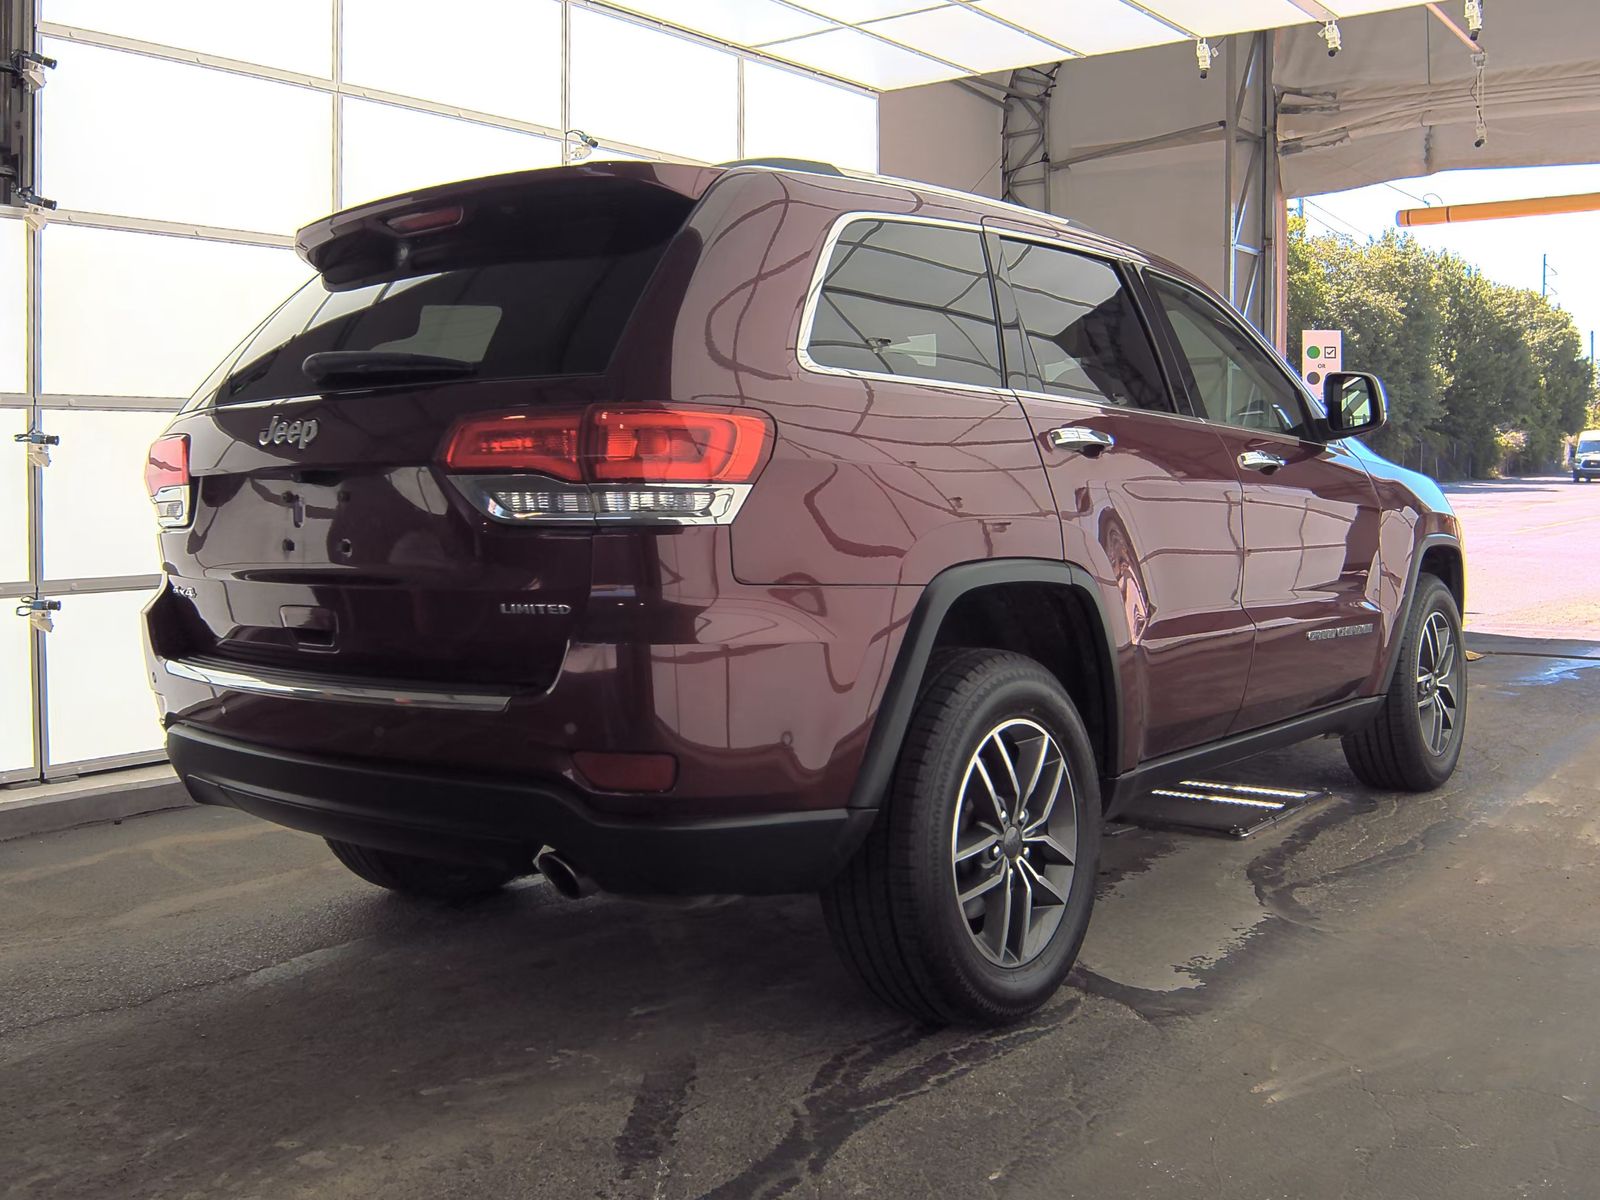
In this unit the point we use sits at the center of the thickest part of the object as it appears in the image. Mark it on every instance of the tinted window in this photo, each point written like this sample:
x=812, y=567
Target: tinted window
x=533, y=281
x=1235, y=381
x=1083, y=328
x=912, y=300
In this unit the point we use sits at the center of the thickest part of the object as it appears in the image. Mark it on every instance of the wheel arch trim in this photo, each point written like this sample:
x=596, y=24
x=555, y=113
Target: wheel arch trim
x=1403, y=615
x=939, y=596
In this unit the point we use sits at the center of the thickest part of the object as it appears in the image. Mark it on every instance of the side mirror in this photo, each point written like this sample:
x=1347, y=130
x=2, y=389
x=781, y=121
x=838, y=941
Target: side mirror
x=1355, y=403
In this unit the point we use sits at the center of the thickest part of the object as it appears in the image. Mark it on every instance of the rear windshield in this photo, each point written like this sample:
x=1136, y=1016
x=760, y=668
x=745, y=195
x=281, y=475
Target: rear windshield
x=515, y=298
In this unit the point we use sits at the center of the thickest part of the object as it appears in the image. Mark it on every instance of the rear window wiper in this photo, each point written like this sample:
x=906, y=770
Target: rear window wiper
x=326, y=366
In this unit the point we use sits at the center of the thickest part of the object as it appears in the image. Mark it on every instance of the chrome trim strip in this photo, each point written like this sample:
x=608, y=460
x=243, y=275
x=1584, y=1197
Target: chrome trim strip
x=1068, y=240
x=819, y=272
x=321, y=687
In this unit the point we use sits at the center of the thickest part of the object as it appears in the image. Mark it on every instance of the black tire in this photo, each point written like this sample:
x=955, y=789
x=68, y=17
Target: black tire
x=426, y=877
x=1393, y=753
x=893, y=911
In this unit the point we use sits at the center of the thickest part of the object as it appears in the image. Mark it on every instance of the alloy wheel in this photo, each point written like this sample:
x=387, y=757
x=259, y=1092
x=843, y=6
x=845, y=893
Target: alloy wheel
x=1014, y=842
x=1438, y=683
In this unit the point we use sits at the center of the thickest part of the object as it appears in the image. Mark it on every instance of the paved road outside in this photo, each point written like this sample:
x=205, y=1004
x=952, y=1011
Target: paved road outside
x=1391, y=997
x=1533, y=553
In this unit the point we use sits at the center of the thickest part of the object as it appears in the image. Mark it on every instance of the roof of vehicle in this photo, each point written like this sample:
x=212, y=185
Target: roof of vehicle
x=693, y=181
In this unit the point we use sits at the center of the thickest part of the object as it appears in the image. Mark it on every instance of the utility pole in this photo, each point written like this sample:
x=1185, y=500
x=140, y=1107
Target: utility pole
x=1544, y=275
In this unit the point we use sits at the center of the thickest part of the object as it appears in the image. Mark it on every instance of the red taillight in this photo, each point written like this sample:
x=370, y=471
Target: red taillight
x=168, y=464
x=428, y=220
x=661, y=445
x=614, y=445
x=166, y=478
x=543, y=444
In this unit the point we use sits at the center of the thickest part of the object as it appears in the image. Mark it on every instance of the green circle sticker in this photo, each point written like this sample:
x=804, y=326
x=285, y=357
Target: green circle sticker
x=1313, y=352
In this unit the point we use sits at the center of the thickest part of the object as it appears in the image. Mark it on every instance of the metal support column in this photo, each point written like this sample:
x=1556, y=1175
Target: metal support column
x=1025, y=138
x=1249, y=224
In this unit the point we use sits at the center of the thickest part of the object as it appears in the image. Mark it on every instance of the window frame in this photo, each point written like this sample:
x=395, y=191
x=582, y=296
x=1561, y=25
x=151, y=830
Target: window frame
x=1127, y=272
x=819, y=276
x=1181, y=370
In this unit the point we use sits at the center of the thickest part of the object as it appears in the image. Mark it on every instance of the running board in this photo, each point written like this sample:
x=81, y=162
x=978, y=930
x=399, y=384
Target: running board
x=1203, y=806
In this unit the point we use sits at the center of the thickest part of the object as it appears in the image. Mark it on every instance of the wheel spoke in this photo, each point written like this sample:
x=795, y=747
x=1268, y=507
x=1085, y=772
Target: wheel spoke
x=1049, y=805
x=1447, y=662
x=1055, y=850
x=977, y=846
x=1024, y=921
x=1011, y=772
x=994, y=796
x=1042, y=884
x=997, y=916
x=1025, y=797
x=983, y=886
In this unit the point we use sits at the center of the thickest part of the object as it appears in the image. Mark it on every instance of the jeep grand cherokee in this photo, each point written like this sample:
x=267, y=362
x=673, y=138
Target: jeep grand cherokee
x=767, y=529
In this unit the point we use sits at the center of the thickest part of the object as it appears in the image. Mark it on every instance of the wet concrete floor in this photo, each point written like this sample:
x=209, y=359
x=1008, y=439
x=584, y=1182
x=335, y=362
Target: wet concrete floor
x=1389, y=996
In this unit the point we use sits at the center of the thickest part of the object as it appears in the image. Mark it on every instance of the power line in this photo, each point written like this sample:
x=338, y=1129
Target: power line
x=1331, y=219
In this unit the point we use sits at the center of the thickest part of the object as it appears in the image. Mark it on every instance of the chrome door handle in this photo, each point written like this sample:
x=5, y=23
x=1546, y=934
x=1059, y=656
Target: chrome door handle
x=1081, y=440
x=1260, y=460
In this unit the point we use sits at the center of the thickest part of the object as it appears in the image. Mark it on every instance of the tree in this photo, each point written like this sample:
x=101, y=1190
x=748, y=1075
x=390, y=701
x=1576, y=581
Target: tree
x=1467, y=362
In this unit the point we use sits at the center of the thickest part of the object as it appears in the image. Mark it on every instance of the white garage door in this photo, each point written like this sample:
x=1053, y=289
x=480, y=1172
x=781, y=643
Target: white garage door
x=184, y=143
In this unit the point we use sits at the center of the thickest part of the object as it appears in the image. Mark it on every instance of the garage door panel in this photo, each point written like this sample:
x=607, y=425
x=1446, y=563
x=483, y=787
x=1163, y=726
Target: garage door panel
x=98, y=520
x=98, y=700
x=13, y=307
x=13, y=498
x=16, y=691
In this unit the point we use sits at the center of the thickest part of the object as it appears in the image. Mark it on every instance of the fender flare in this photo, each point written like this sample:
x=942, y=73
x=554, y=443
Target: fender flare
x=1403, y=616
x=939, y=595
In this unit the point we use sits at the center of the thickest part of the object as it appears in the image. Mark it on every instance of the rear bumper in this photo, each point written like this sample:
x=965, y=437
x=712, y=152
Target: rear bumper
x=478, y=819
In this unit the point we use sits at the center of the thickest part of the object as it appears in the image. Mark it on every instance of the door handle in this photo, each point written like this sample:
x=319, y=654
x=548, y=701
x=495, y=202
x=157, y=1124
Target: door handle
x=1260, y=460
x=1080, y=440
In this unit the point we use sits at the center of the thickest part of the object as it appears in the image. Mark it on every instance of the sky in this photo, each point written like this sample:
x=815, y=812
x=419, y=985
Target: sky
x=1509, y=251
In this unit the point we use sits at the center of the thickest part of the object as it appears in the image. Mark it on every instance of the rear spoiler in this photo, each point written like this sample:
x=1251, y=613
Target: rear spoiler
x=336, y=240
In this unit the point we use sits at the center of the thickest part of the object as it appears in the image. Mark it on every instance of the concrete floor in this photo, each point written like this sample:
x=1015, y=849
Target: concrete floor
x=1388, y=997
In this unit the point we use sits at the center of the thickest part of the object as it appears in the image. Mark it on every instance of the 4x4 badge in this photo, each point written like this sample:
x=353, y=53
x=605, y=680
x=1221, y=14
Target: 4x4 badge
x=279, y=431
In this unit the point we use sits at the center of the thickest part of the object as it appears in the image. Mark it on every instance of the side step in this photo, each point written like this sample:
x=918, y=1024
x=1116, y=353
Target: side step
x=1204, y=806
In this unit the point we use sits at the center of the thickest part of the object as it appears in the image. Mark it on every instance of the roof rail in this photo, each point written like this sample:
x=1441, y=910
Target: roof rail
x=809, y=165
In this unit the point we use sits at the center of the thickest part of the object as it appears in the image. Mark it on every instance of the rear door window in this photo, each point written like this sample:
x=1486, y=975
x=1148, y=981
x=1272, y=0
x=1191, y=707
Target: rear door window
x=1082, y=326
x=910, y=300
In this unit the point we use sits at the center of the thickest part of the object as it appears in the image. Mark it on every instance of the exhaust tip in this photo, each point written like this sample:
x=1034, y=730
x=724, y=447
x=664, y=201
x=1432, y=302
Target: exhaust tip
x=563, y=876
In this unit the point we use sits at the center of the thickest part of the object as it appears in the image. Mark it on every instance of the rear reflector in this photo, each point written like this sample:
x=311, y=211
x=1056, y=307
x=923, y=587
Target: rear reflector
x=627, y=772
x=166, y=478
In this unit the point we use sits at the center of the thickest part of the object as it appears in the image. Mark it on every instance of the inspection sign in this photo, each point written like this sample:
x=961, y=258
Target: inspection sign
x=1321, y=351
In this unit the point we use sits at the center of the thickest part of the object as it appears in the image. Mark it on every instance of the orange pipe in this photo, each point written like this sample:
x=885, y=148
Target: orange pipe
x=1494, y=210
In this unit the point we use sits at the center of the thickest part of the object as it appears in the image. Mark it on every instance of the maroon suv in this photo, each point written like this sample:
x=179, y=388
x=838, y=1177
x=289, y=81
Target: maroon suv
x=766, y=529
